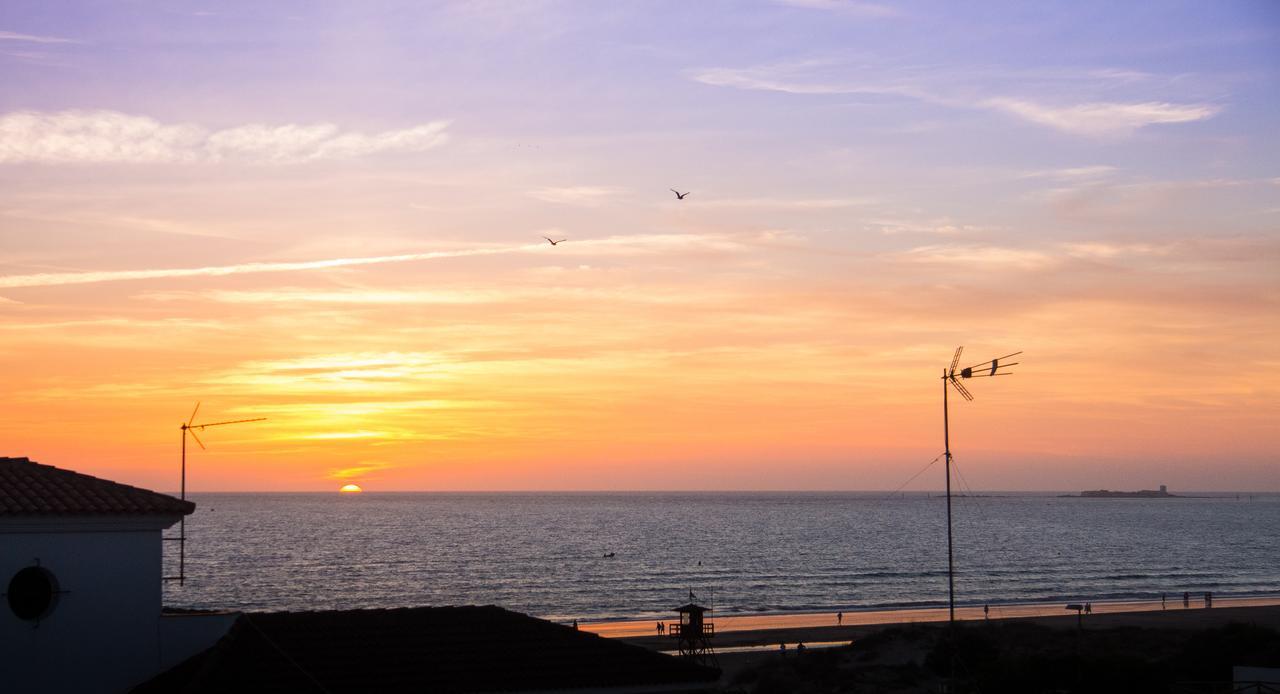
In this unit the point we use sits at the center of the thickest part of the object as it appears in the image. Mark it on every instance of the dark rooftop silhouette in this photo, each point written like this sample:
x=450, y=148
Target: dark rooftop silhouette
x=28, y=488
x=429, y=649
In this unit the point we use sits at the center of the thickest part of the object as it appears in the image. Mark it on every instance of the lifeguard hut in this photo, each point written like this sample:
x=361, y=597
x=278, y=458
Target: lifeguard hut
x=693, y=634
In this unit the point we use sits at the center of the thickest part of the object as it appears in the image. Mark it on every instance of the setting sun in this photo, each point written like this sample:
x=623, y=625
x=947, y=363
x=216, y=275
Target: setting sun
x=713, y=323
x=771, y=327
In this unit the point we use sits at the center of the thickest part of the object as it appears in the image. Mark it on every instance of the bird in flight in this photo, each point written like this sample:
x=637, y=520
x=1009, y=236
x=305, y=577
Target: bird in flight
x=553, y=243
x=679, y=195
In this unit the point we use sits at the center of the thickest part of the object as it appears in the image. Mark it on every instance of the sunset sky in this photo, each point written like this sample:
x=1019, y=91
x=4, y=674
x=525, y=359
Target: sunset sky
x=330, y=215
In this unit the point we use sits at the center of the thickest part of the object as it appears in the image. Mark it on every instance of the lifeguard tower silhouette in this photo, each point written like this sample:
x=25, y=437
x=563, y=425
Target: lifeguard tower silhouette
x=693, y=634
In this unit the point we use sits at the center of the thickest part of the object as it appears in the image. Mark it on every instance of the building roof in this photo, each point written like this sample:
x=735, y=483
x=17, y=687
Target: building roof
x=32, y=489
x=429, y=649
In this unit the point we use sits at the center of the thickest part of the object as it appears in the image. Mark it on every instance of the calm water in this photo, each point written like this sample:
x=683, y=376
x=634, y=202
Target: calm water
x=542, y=553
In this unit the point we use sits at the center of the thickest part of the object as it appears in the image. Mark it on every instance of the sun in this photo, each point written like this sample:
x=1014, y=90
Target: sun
x=350, y=489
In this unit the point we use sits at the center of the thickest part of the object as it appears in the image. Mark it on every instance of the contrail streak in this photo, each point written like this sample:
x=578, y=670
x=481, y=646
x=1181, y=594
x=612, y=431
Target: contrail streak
x=612, y=245
x=50, y=279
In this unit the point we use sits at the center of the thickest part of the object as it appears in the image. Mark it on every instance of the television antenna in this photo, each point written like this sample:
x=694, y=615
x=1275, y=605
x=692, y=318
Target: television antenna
x=951, y=375
x=189, y=427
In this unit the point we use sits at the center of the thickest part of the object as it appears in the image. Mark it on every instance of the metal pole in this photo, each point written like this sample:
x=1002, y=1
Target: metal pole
x=182, y=523
x=951, y=568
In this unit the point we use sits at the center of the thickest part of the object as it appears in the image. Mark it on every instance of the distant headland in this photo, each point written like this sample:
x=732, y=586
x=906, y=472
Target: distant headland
x=1161, y=493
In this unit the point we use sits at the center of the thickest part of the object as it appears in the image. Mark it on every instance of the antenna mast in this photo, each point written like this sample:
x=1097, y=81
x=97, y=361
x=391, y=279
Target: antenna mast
x=949, y=375
x=189, y=427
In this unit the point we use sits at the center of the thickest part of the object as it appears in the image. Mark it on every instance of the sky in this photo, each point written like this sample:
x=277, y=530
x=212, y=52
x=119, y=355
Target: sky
x=331, y=215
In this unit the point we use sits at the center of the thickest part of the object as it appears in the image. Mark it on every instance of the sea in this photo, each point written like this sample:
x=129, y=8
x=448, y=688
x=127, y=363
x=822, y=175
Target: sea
x=591, y=556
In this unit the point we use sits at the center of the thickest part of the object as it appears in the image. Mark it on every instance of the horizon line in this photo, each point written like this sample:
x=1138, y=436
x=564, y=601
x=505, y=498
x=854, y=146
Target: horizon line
x=715, y=491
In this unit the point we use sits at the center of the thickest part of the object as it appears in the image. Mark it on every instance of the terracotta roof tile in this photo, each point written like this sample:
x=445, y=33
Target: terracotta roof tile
x=32, y=489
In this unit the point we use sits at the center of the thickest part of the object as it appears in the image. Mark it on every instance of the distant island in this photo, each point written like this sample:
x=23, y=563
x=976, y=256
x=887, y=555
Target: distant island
x=1161, y=493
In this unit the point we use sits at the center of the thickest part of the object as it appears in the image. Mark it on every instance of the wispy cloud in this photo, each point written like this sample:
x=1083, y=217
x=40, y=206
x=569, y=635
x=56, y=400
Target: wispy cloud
x=1073, y=173
x=51, y=279
x=342, y=435
x=367, y=408
x=574, y=195
x=1105, y=250
x=940, y=226
x=93, y=137
x=114, y=324
x=343, y=362
x=445, y=297
x=638, y=244
x=1144, y=200
x=981, y=256
x=324, y=141
x=783, y=78
x=349, y=296
x=854, y=7
x=1003, y=257
x=1104, y=118
x=122, y=221
x=344, y=374
x=1088, y=117
x=659, y=244
x=32, y=38
x=787, y=203
x=360, y=470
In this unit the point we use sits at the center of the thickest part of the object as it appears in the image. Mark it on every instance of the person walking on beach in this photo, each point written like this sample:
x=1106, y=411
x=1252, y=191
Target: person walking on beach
x=1186, y=598
x=575, y=625
x=1208, y=599
x=1088, y=608
x=1162, y=597
x=986, y=612
x=659, y=627
x=839, y=618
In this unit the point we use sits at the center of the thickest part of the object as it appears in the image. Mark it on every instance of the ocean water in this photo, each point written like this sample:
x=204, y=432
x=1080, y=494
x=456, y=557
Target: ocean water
x=542, y=553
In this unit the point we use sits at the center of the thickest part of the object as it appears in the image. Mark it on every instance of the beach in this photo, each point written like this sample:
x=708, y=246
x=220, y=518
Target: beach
x=821, y=627
x=752, y=644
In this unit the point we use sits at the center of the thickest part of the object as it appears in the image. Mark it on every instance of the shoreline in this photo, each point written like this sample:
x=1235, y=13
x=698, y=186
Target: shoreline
x=746, y=629
x=1129, y=632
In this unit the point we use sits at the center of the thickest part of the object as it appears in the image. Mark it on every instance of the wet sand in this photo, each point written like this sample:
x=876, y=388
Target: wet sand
x=747, y=630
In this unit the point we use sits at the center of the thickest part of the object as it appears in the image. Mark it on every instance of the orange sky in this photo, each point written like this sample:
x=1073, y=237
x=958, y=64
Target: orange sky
x=721, y=362
x=348, y=242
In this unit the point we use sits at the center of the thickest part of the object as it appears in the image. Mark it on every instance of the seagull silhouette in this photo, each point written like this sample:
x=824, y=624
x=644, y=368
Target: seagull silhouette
x=553, y=243
x=679, y=195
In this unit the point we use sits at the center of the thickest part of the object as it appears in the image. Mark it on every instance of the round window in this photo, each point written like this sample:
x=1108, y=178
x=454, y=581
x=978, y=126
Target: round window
x=31, y=592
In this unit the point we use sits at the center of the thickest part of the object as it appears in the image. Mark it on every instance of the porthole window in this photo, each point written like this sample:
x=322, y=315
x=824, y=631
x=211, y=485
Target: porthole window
x=32, y=593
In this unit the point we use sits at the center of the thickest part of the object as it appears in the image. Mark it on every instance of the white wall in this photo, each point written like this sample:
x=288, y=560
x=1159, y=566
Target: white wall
x=103, y=632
